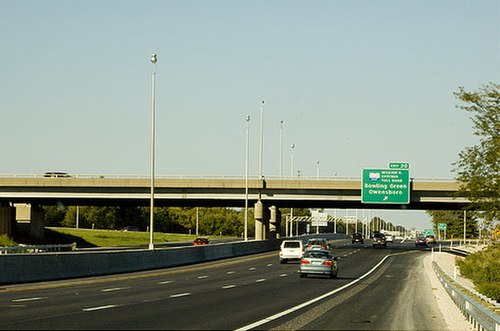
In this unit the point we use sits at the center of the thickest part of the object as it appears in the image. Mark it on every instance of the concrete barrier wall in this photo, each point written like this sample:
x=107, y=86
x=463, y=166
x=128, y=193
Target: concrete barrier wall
x=22, y=268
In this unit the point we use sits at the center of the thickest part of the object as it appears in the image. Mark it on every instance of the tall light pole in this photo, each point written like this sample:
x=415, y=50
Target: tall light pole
x=292, y=147
x=317, y=169
x=465, y=226
x=197, y=221
x=261, y=149
x=281, y=149
x=247, y=119
x=153, y=60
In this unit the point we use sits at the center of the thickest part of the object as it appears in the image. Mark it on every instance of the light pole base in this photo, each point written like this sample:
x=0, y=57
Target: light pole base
x=151, y=246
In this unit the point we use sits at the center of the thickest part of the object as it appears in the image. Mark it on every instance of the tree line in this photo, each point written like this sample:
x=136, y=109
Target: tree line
x=208, y=221
x=226, y=221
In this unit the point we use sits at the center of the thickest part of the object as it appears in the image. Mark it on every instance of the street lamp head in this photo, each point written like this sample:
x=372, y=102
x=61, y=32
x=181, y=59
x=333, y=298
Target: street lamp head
x=247, y=118
x=153, y=59
x=293, y=146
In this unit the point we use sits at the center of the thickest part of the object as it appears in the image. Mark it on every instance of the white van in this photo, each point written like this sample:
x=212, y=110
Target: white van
x=291, y=250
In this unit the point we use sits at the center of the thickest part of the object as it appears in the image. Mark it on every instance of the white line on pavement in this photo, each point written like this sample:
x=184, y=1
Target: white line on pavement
x=29, y=299
x=99, y=307
x=180, y=295
x=115, y=289
x=310, y=302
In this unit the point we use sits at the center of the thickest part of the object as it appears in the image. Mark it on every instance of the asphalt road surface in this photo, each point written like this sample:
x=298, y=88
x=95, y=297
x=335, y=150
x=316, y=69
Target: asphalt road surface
x=377, y=289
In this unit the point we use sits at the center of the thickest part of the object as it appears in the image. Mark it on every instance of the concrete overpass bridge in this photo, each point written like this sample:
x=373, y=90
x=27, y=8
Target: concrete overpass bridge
x=263, y=194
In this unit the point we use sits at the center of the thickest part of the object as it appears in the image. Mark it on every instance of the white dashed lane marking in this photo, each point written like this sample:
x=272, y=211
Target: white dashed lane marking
x=99, y=308
x=29, y=299
x=165, y=282
x=180, y=295
x=113, y=289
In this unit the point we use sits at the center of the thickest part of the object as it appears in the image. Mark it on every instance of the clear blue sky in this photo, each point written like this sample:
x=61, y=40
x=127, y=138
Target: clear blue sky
x=357, y=84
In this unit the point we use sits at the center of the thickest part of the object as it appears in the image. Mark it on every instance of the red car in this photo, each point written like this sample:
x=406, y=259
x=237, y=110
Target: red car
x=201, y=241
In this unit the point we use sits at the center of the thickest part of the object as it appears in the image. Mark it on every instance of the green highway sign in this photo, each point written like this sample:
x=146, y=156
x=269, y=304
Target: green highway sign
x=399, y=165
x=441, y=226
x=385, y=186
x=428, y=232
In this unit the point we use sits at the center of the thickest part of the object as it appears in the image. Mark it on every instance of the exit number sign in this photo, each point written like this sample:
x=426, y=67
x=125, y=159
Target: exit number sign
x=399, y=165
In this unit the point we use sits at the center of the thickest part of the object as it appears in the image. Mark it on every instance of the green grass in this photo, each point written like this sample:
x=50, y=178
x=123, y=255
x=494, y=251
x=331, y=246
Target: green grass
x=85, y=238
x=111, y=238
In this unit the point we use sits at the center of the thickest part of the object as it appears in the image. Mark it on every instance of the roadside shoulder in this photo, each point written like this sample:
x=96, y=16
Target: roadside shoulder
x=452, y=315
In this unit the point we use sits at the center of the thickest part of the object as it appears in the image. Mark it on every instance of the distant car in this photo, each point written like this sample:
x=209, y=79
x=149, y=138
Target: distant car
x=388, y=238
x=56, y=174
x=201, y=241
x=130, y=228
x=318, y=262
x=420, y=241
x=291, y=250
x=430, y=239
x=357, y=238
x=317, y=243
x=379, y=240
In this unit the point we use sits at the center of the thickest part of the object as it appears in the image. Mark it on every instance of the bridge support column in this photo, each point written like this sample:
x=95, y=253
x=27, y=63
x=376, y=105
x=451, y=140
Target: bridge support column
x=37, y=224
x=261, y=220
x=274, y=223
x=7, y=218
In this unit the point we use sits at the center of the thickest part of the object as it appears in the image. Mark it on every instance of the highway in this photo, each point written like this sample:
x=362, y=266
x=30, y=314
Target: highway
x=253, y=292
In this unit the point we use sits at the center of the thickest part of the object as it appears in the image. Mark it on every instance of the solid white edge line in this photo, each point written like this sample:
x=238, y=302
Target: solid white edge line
x=307, y=303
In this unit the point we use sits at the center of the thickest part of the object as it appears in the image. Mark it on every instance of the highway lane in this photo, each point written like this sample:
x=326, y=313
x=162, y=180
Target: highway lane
x=227, y=294
x=398, y=296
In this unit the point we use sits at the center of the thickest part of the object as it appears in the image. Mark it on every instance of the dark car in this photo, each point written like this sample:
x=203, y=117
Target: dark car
x=56, y=174
x=357, y=238
x=379, y=240
x=420, y=241
x=201, y=241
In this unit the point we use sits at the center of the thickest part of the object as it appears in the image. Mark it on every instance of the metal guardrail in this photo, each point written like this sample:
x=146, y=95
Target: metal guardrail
x=478, y=315
x=37, y=248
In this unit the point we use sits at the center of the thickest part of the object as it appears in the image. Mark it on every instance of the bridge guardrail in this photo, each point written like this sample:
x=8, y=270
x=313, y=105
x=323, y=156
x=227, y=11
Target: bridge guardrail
x=478, y=315
x=333, y=177
x=37, y=248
